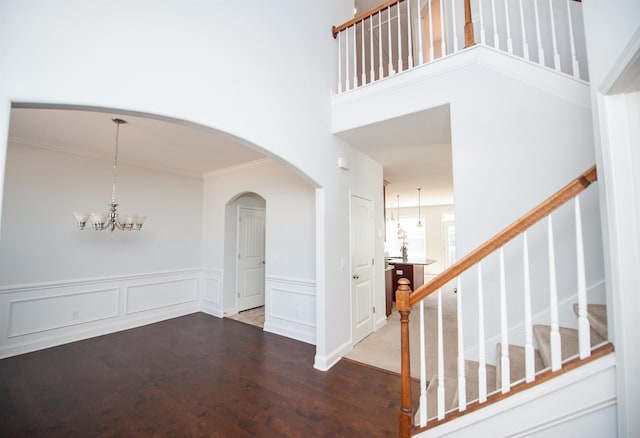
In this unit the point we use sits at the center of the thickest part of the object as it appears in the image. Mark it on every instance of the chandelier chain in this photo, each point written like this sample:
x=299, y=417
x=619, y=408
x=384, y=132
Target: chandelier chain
x=115, y=160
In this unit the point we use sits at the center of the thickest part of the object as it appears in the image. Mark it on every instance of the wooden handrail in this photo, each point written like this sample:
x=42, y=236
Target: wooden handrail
x=405, y=299
x=362, y=17
x=518, y=227
x=468, y=22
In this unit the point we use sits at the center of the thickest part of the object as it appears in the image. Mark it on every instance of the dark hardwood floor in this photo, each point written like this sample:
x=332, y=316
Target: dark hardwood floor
x=194, y=376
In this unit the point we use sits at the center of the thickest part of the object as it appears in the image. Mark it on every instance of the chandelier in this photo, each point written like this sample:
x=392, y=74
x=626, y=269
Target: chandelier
x=111, y=220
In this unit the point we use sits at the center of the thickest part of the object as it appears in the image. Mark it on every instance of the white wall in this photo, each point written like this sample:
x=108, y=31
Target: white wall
x=519, y=133
x=42, y=242
x=59, y=283
x=260, y=71
x=613, y=42
x=289, y=246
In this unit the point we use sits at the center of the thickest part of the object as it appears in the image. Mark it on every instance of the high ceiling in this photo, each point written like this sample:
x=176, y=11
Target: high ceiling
x=144, y=142
x=415, y=151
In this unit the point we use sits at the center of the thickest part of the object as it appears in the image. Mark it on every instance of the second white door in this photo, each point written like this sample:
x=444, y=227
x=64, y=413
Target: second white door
x=251, y=263
x=362, y=255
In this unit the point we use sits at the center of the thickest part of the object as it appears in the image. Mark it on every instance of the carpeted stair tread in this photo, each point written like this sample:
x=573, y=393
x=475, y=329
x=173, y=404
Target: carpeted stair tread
x=517, y=365
x=597, y=315
x=450, y=388
x=568, y=341
x=471, y=379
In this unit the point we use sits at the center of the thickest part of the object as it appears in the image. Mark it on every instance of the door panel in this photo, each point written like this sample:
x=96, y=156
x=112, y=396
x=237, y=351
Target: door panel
x=250, y=268
x=362, y=255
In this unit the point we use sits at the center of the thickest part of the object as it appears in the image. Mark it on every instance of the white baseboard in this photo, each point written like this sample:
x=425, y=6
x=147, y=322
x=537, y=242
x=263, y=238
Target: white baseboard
x=325, y=362
x=82, y=333
x=43, y=315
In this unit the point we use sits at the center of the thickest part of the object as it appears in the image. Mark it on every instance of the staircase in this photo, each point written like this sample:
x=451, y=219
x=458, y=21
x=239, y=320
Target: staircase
x=597, y=316
x=549, y=351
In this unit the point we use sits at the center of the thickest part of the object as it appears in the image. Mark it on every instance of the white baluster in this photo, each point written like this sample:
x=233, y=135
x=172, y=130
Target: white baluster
x=355, y=56
x=442, y=32
x=400, y=64
x=346, y=59
x=420, y=35
x=380, y=64
x=525, y=44
x=556, y=55
x=409, y=33
x=391, y=71
x=504, y=330
x=431, y=51
x=423, y=369
x=584, y=329
x=574, y=59
x=339, y=62
x=372, y=73
x=462, y=380
x=482, y=356
x=556, y=346
x=362, y=54
x=441, y=407
x=529, y=352
x=483, y=35
x=454, y=26
x=496, y=38
x=508, y=22
x=541, y=59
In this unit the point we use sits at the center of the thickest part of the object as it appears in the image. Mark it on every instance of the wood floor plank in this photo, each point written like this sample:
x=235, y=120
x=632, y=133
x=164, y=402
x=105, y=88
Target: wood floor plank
x=193, y=376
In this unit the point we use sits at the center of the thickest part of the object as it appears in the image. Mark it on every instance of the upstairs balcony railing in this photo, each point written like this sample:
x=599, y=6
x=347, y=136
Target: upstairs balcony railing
x=402, y=35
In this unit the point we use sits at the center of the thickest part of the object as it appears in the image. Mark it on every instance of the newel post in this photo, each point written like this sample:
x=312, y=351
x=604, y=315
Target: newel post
x=469, y=39
x=405, y=416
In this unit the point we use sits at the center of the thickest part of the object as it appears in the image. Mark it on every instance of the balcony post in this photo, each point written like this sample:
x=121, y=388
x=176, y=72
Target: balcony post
x=405, y=416
x=469, y=39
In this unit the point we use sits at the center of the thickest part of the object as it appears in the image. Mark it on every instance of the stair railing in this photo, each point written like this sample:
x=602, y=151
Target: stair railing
x=406, y=299
x=400, y=35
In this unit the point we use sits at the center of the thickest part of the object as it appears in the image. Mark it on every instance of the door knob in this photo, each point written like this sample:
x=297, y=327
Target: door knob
x=356, y=276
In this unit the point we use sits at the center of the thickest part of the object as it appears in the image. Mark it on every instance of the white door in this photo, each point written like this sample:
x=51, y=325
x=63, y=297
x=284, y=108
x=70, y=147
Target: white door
x=362, y=255
x=250, y=266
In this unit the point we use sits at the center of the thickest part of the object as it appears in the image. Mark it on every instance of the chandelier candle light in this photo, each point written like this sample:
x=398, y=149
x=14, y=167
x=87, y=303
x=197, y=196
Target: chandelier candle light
x=112, y=220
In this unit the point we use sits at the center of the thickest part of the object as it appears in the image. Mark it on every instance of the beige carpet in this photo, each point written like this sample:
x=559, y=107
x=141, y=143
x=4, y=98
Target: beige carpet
x=251, y=316
x=381, y=349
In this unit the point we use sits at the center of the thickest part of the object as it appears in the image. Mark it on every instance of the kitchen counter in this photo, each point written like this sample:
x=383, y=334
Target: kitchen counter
x=401, y=261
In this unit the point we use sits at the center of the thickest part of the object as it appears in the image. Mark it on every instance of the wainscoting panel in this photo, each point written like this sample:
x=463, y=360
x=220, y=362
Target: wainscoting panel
x=212, y=292
x=291, y=308
x=43, y=315
x=155, y=295
x=40, y=314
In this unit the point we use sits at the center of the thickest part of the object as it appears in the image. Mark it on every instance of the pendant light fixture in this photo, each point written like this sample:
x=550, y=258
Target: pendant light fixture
x=419, y=220
x=111, y=220
x=398, y=210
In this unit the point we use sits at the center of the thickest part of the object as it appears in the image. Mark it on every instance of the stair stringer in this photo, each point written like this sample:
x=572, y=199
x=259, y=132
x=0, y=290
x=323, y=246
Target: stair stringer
x=581, y=401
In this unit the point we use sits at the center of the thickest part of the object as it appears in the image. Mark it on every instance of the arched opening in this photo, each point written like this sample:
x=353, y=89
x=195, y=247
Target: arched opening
x=244, y=258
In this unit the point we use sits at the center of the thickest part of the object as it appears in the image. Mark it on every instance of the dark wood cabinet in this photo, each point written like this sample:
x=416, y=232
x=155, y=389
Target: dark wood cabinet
x=389, y=290
x=412, y=272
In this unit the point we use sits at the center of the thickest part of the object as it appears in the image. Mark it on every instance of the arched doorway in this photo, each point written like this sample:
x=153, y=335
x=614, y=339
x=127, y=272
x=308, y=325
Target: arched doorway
x=244, y=264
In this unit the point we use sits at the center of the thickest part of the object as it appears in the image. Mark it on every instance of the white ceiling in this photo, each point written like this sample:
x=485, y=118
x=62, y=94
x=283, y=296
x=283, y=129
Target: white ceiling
x=144, y=142
x=415, y=150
